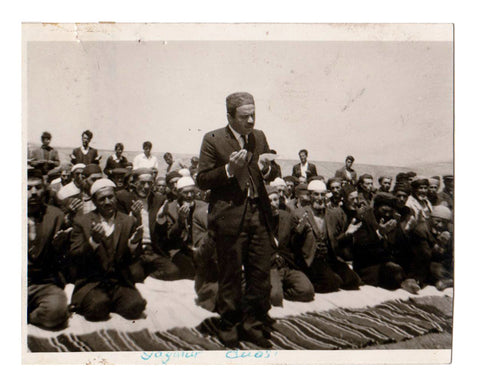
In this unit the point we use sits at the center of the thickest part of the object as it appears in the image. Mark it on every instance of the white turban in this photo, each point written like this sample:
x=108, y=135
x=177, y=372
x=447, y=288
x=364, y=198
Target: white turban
x=317, y=185
x=101, y=184
x=184, y=182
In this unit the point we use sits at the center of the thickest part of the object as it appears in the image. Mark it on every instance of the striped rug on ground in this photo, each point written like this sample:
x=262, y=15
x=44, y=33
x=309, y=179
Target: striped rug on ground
x=390, y=322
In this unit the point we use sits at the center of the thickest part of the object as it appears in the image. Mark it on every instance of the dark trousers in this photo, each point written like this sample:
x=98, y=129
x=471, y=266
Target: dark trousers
x=47, y=306
x=332, y=276
x=251, y=249
x=110, y=297
x=388, y=275
x=293, y=285
x=162, y=267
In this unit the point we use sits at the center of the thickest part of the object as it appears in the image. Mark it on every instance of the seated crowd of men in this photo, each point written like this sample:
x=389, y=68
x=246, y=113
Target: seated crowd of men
x=106, y=230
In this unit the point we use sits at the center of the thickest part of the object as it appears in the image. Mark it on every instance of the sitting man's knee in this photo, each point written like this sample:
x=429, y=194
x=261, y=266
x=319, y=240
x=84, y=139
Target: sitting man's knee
x=95, y=307
x=132, y=309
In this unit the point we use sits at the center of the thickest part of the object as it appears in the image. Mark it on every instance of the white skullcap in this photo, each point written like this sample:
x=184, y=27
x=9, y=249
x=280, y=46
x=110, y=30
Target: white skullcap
x=184, y=172
x=317, y=185
x=441, y=211
x=278, y=182
x=101, y=184
x=67, y=191
x=184, y=182
x=78, y=166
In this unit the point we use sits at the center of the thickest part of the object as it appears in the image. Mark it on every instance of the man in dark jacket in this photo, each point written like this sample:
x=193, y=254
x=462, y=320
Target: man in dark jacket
x=47, y=302
x=45, y=158
x=304, y=169
x=85, y=154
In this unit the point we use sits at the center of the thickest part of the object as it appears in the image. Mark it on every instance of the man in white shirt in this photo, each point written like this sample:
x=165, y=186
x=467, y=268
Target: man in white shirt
x=304, y=169
x=145, y=159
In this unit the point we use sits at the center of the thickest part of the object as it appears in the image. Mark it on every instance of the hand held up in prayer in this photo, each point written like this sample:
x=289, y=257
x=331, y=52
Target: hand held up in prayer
x=75, y=205
x=444, y=238
x=137, y=235
x=98, y=234
x=353, y=227
x=137, y=207
x=183, y=211
x=387, y=227
x=237, y=161
x=61, y=237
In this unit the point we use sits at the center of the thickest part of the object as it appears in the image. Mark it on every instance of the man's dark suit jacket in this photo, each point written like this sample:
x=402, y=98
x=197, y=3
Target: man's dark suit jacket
x=311, y=170
x=227, y=199
x=43, y=258
x=89, y=158
x=106, y=262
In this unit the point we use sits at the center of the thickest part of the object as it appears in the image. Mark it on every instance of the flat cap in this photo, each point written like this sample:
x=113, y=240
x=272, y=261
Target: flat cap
x=382, y=199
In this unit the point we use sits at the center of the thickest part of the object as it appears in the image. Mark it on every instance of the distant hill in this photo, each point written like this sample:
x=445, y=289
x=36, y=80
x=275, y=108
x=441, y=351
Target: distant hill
x=325, y=168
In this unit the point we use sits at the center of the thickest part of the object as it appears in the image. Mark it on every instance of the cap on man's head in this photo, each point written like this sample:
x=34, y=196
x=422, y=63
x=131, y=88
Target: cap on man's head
x=433, y=181
x=278, y=182
x=290, y=179
x=184, y=182
x=34, y=173
x=442, y=212
x=419, y=181
x=120, y=171
x=100, y=184
x=46, y=135
x=238, y=99
x=271, y=189
x=184, y=172
x=411, y=174
x=301, y=188
x=402, y=187
x=171, y=175
x=382, y=198
x=91, y=169
x=78, y=167
x=317, y=185
x=448, y=178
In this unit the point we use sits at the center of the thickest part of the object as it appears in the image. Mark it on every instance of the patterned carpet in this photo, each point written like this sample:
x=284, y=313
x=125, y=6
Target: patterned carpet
x=337, y=329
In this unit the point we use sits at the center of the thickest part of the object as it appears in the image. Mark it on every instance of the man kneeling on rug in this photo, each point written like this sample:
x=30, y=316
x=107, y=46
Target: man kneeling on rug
x=103, y=247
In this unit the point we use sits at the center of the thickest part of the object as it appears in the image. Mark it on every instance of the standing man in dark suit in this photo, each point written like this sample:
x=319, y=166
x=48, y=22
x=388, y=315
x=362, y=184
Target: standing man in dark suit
x=304, y=168
x=85, y=154
x=347, y=174
x=240, y=219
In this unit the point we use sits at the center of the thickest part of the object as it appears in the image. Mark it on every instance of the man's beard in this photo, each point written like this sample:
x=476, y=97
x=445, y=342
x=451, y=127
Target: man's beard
x=35, y=206
x=318, y=207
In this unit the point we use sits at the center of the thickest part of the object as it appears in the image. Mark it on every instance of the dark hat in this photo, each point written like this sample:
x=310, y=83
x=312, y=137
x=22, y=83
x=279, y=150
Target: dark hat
x=91, y=169
x=411, y=174
x=435, y=177
x=382, y=199
x=291, y=179
x=171, y=175
x=402, y=187
x=419, y=181
x=34, y=173
x=238, y=99
x=301, y=188
x=120, y=172
x=401, y=177
x=348, y=189
x=448, y=178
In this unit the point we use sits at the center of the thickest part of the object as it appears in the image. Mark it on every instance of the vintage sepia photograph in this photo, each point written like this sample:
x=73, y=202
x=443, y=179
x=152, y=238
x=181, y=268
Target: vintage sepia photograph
x=238, y=193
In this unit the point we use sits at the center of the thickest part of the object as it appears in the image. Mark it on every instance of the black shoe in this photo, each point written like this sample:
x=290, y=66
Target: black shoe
x=229, y=337
x=257, y=338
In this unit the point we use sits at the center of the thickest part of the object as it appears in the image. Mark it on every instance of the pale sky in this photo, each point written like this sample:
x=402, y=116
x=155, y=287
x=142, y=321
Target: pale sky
x=386, y=103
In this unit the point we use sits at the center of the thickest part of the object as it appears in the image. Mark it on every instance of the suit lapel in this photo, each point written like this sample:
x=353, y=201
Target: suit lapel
x=231, y=140
x=119, y=221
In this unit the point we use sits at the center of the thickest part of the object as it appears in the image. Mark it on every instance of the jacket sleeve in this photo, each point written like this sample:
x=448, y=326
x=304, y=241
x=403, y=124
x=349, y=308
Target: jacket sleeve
x=210, y=175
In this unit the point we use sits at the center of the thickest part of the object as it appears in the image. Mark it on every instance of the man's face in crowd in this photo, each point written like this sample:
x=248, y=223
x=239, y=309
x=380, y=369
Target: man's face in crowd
x=302, y=180
x=290, y=188
x=385, y=212
x=421, y=192
x=386, y=184
x=303, y=157
x=147, y=149
x=439, y=224
x=36, y=192
x=303, y=198
x=274, y=203
x=172, y=185
x=65, y=176
x=401, y=198
x=318, y=199
x=91, y=179
x=448, y=185
x=119, y=180
x=281, y=190
x=105, y=201
x=78, y=178
x=433, y=188
x=244, y=120
x=119, y=151
x=143, y=185
x=367, y=184
x=348, y=163
x=336, y=188
x=187, y=194
x=351, y=202
x=85, y=140
x=161, y=186
x=168, y=159
x=46, y=141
